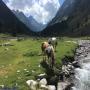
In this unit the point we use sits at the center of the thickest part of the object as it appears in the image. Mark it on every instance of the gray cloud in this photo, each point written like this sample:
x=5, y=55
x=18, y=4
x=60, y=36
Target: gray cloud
x=5, y=1
x=42, y=10
x=19, y=4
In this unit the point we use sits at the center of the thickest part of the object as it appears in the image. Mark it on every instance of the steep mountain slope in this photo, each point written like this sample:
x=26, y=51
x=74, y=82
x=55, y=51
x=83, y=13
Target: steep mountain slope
x=77, y=22
x=9, y=22
x=57, y=29
x=22, y=18
x=64, y=11
x=35, y=25
x=30, y=22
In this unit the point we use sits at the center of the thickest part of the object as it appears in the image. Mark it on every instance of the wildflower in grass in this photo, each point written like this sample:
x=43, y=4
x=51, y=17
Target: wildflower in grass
x=18, y=71
x=25, y=69
x=2, y=86
x=6, y=76
x=10, y=64
x=33, y=71
x=16, y=84
x=19, y=77
x=3, y=66
x=39, y=66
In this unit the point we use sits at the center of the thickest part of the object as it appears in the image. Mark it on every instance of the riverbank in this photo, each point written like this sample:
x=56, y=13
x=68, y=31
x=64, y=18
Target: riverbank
x=82, y=74
x=67, y=74
x=78, y=78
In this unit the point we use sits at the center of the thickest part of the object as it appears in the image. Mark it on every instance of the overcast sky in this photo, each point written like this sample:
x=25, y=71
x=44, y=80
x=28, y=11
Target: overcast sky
x=42, y=10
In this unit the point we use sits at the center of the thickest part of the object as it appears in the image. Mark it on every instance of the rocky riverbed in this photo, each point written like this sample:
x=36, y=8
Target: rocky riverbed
x=67, y=74
x=82, y=74
x=76, y=74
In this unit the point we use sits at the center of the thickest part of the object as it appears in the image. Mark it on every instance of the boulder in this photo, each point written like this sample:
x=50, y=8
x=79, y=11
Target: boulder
x=43, y=82
x=76, y=64
x=32, y=84
x=51, y=87
x=62, y=85
x=43, y=87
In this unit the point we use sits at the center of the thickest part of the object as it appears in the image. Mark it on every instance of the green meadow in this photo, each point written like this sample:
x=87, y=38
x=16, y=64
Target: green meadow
x=21, y=61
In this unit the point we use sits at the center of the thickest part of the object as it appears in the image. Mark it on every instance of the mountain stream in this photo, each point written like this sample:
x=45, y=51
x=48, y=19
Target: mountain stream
x=82, y=74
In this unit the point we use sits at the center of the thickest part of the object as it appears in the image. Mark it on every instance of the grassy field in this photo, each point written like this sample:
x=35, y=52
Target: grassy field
x=21, y=62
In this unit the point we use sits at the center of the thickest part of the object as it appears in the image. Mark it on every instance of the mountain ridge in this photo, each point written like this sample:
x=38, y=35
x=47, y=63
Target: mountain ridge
x=76, y=24
x=30, y=22
x=9, y=23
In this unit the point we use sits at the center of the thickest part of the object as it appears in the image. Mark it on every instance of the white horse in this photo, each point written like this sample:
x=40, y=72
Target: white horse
x=53, y=41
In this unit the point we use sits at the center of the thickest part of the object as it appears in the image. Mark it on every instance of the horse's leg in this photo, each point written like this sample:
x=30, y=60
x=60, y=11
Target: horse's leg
x=54, y=46
x=52, y=60
x=44, y=56
x=48, y=59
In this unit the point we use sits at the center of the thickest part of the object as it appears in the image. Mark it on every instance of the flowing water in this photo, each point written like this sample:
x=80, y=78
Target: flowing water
x=82, y=75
